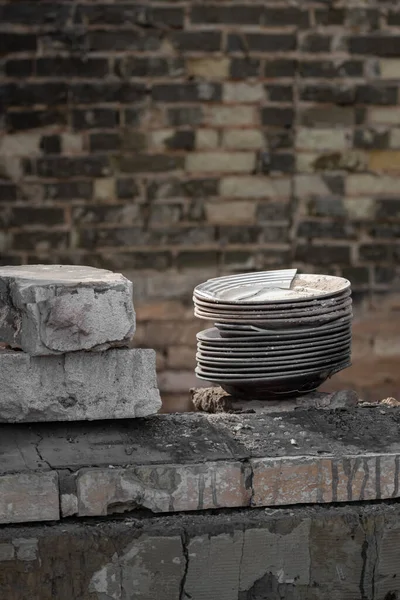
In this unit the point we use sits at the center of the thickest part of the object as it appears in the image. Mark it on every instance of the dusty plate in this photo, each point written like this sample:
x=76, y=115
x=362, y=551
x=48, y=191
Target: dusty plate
x=255, y=289
x=236, y=330
x=279, y=323
x=247, y=344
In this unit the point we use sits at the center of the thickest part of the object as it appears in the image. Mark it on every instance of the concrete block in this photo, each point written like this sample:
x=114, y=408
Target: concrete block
x=57, y=309
x=29, y=497
x=114, y=384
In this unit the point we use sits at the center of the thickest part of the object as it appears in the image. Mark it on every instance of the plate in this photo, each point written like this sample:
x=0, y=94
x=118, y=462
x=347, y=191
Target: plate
x=249, y=344
x=257, y=288
x=278, y=323
x=232, y=330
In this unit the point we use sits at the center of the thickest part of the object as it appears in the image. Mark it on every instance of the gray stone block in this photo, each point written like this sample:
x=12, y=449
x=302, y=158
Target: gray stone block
x=57, y=309
x=114, y=384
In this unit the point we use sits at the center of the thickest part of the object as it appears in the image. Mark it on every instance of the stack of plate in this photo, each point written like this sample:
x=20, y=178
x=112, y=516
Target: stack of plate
x=277, y=333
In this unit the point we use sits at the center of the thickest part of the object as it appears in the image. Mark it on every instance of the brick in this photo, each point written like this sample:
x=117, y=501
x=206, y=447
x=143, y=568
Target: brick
x=73, y=66
x=360, y=208
x=328, y=117
x=323, y=139
x=323, y=229
x=369, y=185
x=186, y=115
x=375, y=252
x=151, y=66
x=20, y=144
x=371, y=138
x=325, y=255
x=206, y=139
x=326, y=93
x=384, y=160
x=38, y=15
x=51, y=144
x=280, y=68
x=181, y=357
x=330, y=16
x=197, y=41
x=221, y=116
x=191, y=188
x=243, y=139
x=173, y=140
x=394, y=139
x=208, y=67
x=278, y=117
x=134, y=236
x=236, y=14
x=189, y=92
x=243, y=92
x=221, y=213
x=261, y=42
x=47, y=216
x=239, y=162
x=197, y=259
x=316, y=42
x=126, y=188
x=116, y=383
x=104, y=142
x=329, y=206
x=100, y=491
x=120, y=92
x=271, y=210
x=254, y=187
x=19, y=67
x=357, y=275
x=11, y=42
x=151, y=163
x=386, y=116
x=28, y=94
x=389, y=68
x=329, y=69
x=286, y=16
x=376, y=94
x=69, y=190
x=118, y=40
x=241, y=68
x=279, y=93
x=388, y=208
x=93, y=118
x=90, y=166
x=375, y=44
x=27, y=497
x=237, y=234
x=75, y=297
x=8, y=192
x=107, y=213
x=131, y=14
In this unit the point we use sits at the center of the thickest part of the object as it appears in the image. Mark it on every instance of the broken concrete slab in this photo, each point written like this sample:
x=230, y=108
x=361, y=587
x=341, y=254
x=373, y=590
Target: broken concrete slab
x=118, y=383
x=27, y=497
x=57, y=309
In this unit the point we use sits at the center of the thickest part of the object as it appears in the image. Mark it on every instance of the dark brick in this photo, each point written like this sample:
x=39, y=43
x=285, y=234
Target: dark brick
x=197, y=259
x=326, y=93
x=281, y=163
x=131, y=14
x=363, y=18
x=8, y=192
x=240, y=68
x=135, y=260
x=134, y=236
x=278, y=117
x=261, y=42
x=26, y=215
x=375, y=45
x=27, y=94
x=95, y=118
x=187, y=92
x=375, y=252
x=370, y=139
x=279, y=139
x=35, y=13
x=148, y=163
x=192, y=188
x=246, y=258
x=393, y=18
x=335, y=183
x=237, y=234
x=279, y=93
x=384, y=231
x=280, y=68
x=329, y=69
x=164, y=214
x=66, y=38
x=127, y=188
x=150, y=66
x=286, y=16
x=50, y=144
x=181, y=140
x=316, y=42
x=197, y=41
x=326, y=229
x=384, y=275
x=195, y=210
x=356, y=275
x=41, y=240
x=273, y=234
x=328, y=116
x=89, y=166
x=227, y=15
x=132, y=116
x=185, y=115
x=69, y=190
x=7, y=260
x=121, y=92
x=106, y=213
x=272, y=211
x=22, y=67
x=131, y=139
x=104, y=142
x=336, y=161
x=17, y=42
x=376, y=94
x=122, y=40
x=388, y=208
x=329, y=206
x=35, y=119
x=71, y=66
x=323, y=255
x=330, y=16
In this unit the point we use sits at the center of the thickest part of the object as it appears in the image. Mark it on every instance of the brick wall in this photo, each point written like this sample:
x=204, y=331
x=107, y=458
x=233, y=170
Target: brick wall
x=177, y=140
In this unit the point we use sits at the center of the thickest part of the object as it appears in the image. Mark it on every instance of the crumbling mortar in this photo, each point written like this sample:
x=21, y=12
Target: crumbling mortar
x=185, y=550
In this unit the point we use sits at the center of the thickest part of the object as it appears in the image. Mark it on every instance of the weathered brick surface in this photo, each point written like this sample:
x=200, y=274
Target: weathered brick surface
x=125, y=125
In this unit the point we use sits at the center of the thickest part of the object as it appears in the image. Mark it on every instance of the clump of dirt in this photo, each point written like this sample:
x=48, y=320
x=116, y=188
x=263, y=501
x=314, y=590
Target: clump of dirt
x=211, y=400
